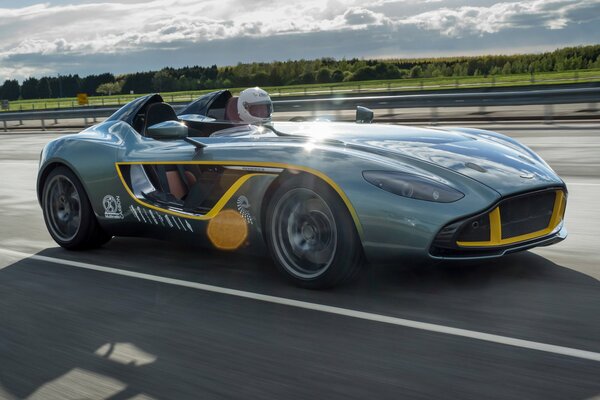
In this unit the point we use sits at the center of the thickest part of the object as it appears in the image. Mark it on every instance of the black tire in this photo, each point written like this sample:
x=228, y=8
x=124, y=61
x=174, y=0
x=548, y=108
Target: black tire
x=311, y=235
x=68, y=214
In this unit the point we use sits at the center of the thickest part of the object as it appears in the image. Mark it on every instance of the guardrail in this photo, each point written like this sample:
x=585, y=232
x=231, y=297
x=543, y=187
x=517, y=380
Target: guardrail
x=433, y=101
x=398, y=86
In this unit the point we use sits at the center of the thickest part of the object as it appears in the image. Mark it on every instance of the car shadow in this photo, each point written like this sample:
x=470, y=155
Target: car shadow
x=60, y=324
x=523, y=287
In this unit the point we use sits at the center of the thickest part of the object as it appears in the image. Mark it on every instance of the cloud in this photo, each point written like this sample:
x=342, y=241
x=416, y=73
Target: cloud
x=61, y=37
x=363, y=16
x=468, y=20
x=121, y=27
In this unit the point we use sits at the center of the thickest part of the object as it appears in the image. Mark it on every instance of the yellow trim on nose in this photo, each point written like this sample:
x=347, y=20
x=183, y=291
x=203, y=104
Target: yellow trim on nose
x=557, y=217
x=495, y=226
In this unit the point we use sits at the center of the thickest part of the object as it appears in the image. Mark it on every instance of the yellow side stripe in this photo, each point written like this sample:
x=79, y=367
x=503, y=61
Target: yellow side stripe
x=213, y=211
x=496, y=226
x=311, y=171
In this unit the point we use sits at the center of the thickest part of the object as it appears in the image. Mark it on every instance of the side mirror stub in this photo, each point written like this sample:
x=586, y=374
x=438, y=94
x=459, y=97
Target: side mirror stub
x=167, y=130
x=364, y=115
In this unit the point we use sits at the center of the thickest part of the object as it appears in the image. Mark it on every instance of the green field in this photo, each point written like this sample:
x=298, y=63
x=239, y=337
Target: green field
x=589, y=75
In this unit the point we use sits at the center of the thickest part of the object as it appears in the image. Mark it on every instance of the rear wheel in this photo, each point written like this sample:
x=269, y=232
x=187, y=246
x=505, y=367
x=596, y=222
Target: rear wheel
x=311, y=235
x=68, y=214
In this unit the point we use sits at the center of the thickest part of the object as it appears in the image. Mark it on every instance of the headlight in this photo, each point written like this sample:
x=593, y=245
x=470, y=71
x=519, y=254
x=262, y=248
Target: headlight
x=412, y=186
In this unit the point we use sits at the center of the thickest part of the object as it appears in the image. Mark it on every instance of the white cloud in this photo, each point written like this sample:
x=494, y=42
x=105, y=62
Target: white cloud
x=363, y=16
x=468, y=20
x=19, y=71
x=122, y=27
x=114, y=27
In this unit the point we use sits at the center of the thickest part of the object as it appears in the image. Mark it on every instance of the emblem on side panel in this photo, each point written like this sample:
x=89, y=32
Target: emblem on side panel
x=112, y=207
x=243, y=207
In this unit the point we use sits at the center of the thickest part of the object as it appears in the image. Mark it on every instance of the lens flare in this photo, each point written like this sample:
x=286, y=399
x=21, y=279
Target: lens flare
x=228, y=230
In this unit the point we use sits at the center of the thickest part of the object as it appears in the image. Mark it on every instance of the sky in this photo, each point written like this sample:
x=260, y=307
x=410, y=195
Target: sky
x=121, y=36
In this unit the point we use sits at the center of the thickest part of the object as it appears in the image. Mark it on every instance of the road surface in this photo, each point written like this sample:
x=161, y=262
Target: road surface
x=166, y=320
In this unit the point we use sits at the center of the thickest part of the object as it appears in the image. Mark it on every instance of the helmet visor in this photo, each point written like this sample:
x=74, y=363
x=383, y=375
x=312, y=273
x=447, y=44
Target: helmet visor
x=260, y=110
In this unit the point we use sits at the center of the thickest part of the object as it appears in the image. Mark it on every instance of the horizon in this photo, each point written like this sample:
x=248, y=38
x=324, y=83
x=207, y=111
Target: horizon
x=56, y=37
x=385, y=59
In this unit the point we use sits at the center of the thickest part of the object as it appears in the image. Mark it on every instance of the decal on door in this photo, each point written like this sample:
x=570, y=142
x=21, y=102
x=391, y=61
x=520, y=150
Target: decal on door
x=112, y=207
x=243, y=207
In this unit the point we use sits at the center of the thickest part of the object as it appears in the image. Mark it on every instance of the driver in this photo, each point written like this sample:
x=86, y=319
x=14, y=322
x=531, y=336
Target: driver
x=254, y=106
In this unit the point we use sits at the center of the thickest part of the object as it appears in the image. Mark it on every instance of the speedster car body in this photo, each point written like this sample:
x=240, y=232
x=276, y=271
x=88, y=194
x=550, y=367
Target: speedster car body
x=323, y=197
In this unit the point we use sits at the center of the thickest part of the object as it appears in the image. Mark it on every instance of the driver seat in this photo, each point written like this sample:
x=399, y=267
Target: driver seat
x=157, y=113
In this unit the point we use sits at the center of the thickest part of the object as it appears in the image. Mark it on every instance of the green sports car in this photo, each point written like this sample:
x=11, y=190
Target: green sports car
x=322, y=197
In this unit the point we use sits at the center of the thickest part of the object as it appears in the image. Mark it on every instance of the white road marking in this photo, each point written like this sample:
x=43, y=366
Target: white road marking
x=505, y=340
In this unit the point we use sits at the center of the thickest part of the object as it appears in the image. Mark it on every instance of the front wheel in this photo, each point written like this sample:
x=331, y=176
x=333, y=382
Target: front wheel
x=68, y=214
x=311, y=235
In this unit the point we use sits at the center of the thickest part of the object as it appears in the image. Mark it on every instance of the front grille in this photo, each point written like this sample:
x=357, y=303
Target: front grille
x=526, y=214
x=513, y=220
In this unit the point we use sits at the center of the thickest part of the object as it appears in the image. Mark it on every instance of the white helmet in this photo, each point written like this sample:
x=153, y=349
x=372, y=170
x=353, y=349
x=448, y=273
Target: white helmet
x=255, y=106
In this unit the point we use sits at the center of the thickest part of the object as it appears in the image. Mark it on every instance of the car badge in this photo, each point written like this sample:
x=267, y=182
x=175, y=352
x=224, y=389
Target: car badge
x=527, y=176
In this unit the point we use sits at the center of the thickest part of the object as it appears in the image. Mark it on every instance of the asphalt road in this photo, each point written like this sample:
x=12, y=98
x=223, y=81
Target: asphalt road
x=70, y=330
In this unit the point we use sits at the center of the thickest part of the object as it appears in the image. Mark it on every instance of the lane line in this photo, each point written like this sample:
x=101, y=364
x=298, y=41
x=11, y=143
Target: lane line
x=425, y=326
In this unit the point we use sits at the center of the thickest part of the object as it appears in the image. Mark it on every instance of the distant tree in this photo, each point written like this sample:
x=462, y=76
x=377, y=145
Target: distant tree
x=29, y=89
x=66, y=86
x=307, y=77
x=109, y=88
x=391, y=72
x=139, y=82
x=416, y=72
x=261, y=78
x=44, y=90
x=212, y=72
x=163, y=81
x=275, y=78
x=460, y=69
x=10, y=90
x=337, y=75
x=324, y=75
x=184, y=83
x=364, y=74
x=507, y=68
x=91, y=82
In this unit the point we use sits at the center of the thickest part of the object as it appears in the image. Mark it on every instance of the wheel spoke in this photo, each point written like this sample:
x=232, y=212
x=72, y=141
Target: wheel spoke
x=74, y=196
x=73, y=224
x=60, y=186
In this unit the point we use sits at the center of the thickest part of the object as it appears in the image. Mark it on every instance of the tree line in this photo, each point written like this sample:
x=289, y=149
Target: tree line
x=323, y=70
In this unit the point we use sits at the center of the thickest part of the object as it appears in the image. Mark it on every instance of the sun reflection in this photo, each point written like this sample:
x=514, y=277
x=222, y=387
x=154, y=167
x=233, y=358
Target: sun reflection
x=228, y=230
x=309, y=146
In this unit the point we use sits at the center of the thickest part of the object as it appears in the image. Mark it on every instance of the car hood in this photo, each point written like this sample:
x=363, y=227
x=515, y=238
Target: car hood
x=492, y=159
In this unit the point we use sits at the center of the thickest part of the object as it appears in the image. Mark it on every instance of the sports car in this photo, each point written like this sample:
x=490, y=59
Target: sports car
x=323, y=198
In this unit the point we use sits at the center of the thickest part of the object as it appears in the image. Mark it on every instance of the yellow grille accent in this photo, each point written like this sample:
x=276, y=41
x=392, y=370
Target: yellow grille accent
x=557, y=217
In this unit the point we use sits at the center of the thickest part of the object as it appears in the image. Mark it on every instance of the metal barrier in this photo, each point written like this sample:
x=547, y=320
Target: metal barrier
x=547, y=97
